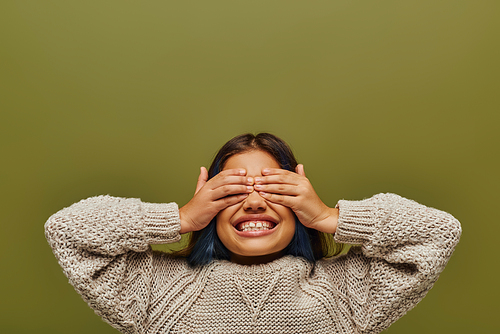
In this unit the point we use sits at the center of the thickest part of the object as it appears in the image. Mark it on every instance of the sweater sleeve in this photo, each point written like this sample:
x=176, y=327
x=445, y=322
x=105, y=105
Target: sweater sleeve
x=401, y=248
x=102, y=245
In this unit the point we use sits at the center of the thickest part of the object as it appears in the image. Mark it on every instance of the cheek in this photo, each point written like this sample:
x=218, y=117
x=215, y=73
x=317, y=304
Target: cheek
x=225, y=215
x=223, y=226
x=288, y=220
x=284, y=212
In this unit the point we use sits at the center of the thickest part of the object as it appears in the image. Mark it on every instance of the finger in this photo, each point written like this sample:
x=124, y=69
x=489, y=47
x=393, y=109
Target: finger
x=202, y=179
x=230, y=177
x=225, y=202
x=234, y=171
x=288, y=201
x=300, y=170
x=289, y=178
x=277, y=188
x=229, y=190
x=275, y=171
x=230, y=180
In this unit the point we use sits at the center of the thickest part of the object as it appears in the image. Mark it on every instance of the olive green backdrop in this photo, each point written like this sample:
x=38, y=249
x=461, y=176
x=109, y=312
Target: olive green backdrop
x=129, y=98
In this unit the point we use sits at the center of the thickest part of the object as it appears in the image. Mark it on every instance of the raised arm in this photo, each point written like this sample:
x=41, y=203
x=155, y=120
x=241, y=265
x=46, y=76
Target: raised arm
x=102, y=244
x=400, y=249
x=403, y=247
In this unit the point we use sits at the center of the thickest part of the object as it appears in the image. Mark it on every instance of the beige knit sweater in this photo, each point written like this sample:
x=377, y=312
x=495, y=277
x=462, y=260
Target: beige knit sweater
x=102, y=244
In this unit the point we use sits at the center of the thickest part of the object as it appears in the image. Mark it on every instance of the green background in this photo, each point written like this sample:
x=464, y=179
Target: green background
x=129, y=98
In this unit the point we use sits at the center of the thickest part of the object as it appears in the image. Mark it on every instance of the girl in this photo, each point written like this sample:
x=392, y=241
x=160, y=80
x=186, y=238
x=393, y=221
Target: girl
x=256, y=261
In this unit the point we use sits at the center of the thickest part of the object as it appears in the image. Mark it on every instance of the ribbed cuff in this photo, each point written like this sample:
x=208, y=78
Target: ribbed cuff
x=161, y=222
x=356, y=224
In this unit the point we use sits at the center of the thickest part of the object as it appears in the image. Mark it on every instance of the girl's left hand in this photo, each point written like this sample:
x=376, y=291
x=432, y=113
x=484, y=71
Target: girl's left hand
x=296, y=192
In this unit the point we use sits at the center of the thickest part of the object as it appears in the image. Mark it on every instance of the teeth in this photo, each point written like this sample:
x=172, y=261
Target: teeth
x=255, y=229
x=256, y=226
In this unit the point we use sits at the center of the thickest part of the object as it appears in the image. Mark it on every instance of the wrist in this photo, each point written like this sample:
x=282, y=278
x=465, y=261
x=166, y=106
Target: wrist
x=329, y=223
x=186, y=225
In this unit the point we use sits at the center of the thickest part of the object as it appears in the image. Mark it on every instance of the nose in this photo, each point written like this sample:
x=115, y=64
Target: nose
x=254, y=202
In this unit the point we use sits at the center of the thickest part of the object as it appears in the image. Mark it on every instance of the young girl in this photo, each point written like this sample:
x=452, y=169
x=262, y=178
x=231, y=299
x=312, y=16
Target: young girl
x=256, y=259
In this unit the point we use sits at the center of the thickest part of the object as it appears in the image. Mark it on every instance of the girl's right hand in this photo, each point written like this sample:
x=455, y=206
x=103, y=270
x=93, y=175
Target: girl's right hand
x=227, y=188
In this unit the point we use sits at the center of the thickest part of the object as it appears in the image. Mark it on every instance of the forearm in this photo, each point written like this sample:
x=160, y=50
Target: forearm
x=111, y=225
x=399, y=231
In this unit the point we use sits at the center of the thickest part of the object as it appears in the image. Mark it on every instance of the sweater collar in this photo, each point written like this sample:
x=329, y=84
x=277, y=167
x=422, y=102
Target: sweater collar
x=284, y=263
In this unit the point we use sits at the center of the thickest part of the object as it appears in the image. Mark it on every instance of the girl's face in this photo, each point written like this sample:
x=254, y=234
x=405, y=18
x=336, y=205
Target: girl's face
x=255, y=230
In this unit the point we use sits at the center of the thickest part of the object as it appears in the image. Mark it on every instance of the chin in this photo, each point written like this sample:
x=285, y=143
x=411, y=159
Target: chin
x=256, y=256
x=257, y=247
x=257, y=252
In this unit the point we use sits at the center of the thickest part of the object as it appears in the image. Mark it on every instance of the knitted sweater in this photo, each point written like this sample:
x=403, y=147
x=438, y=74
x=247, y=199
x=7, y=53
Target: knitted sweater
x=102, y=244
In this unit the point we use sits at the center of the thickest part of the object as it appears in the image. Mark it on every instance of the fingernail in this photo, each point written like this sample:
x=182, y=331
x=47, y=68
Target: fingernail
x=261, y=193
x=265, y=170
x=258, y=180
x=249, y=189
x=258, y=186
x=250, y=180
x=243, y=172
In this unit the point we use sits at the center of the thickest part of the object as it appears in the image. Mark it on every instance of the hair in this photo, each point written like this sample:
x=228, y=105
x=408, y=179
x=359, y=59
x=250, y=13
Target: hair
x=204, y=246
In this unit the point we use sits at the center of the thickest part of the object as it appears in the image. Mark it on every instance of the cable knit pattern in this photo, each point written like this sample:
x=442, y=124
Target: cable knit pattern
x=102, y=244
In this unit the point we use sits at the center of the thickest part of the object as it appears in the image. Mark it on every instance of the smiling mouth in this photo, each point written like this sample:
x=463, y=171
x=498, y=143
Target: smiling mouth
x=255, y=226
